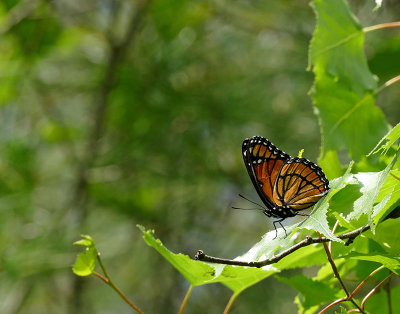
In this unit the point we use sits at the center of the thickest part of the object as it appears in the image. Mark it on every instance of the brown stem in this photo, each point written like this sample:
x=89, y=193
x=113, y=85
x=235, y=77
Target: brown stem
x=375, y=290
x=183, y=305
x=333, y=304
x=381, y=26
x=364, y=281
x=106, y=278
x=333, y=265
x=387, y=84
x=337, y=275
x=230, y=302
x=201, y=256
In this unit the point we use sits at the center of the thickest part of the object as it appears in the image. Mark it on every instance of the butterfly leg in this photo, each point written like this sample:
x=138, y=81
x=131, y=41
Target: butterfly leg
x=276, y=230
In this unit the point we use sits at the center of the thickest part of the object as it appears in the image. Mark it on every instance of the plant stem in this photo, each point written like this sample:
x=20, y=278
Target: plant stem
x=106, y=278
x=185, y=299
x=337, y=275
x=375, y=289
x=333, y=304
x=381, y=26
x=387, y=84
x=229, y=305
x=364, y=281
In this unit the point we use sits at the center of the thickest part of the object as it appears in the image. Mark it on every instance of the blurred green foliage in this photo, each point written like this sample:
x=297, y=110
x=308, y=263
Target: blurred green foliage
x=195, y=80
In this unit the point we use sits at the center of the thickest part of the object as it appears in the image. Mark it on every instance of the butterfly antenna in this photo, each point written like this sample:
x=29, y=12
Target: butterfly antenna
x=261, y=207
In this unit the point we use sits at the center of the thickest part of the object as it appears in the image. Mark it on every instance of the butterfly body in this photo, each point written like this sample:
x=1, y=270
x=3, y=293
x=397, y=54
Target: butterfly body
x=285, y=184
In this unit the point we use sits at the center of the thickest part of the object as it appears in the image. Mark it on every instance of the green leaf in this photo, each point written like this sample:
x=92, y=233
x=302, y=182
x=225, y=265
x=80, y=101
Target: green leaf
x=343, y=92
x=314, y=292
x=331, y=165
x=371, y=182
x=390, y=262
x=299, y=300
x=236, y=278
x=388, y=235
x=387, y=141
x=305, y=257
x=85, y=261
x=86, y=240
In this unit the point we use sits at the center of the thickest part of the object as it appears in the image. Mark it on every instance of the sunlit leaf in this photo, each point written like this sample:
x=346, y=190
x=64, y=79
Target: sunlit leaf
x=85, y=261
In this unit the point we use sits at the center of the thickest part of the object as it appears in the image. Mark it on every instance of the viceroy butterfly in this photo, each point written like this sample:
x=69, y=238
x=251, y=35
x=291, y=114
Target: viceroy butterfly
x=286, y=185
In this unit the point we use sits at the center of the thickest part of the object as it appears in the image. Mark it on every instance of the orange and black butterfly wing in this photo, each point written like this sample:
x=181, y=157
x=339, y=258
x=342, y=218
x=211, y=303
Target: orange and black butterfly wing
x=263, y=162
x=300, y=184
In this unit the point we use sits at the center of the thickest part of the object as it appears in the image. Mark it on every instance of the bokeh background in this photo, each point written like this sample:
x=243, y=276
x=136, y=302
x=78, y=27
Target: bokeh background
x=115, y=113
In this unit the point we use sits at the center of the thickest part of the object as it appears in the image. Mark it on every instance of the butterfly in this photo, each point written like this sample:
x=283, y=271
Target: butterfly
x=285, y=184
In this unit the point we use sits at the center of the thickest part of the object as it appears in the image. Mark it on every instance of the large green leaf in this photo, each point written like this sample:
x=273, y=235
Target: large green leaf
x=237, y=278
x=343, y=92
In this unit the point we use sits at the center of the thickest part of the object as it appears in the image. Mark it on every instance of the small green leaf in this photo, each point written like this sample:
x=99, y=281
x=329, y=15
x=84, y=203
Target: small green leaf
x=85, y=261
x=85, y=241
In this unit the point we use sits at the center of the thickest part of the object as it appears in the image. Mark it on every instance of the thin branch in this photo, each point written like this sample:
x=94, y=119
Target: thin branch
x=334, y=268
x=364, y=281
x=106, y=278
x=101, y=277
x=381, y=26
x=333, y=304
x=183, y=305
x=387, y=84
x=230, y=302
x=337, y=275
x=350, y=236
x=375, y=290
